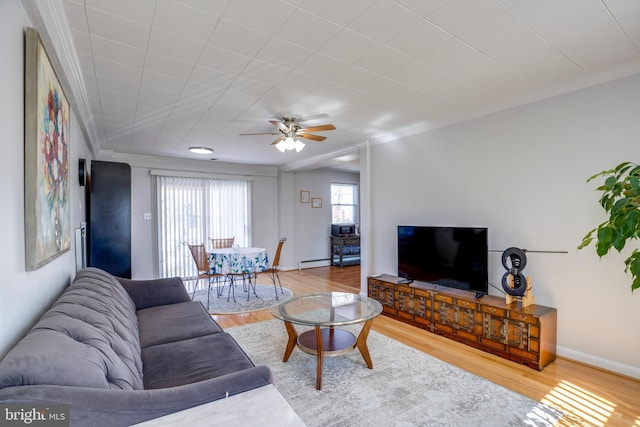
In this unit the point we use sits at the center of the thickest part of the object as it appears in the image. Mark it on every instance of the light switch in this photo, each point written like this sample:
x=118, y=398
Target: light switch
x=147, y=216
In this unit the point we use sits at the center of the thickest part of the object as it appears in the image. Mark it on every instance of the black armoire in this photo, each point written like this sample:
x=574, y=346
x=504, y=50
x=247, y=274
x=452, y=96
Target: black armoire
x=109, y=213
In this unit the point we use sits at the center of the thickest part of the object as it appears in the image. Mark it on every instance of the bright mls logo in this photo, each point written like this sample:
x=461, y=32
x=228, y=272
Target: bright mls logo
x=36, y=415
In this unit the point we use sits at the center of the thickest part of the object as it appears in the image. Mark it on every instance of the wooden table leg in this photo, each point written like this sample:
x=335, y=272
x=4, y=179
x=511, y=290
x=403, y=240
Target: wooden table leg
x=319, y=357
x=293, y=339
x=361, y=343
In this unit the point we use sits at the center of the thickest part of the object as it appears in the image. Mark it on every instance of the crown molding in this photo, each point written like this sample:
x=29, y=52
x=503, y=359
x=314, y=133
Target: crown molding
x=50, y=19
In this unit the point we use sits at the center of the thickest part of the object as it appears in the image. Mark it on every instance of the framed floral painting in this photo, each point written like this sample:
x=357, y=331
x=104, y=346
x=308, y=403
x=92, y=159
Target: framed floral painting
x=46, y=159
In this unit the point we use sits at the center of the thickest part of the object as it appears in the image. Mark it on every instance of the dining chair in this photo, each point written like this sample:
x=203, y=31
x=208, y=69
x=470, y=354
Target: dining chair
x=225, y=242
x=273, y=268
x=201, y=258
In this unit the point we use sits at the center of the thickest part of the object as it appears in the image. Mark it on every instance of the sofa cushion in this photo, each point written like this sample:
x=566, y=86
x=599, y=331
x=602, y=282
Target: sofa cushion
x=94, y=319
x=193, y=360
x=174, y=322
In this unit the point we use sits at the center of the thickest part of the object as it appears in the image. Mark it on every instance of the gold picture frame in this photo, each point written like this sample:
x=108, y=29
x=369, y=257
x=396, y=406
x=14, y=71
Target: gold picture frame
x=304, y=196
x=316, y=202
x=46, y=158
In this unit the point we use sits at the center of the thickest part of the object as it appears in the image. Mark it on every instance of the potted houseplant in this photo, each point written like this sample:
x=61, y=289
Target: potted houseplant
x=621, y=200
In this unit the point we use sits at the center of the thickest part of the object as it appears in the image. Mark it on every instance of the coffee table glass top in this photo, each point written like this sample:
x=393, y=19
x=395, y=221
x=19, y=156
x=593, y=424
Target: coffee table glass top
x=327, y=309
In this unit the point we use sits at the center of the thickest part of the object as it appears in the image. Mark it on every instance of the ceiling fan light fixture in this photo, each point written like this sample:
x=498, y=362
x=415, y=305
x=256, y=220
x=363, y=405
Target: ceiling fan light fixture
x=201, y=150
x=290, y=143
x=298, y=145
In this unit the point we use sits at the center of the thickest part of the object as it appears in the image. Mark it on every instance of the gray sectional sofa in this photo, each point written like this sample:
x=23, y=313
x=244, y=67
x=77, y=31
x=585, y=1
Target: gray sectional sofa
x=120, y=351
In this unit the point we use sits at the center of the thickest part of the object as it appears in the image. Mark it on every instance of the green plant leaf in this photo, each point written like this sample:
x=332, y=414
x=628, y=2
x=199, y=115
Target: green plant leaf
x=620, y=198
x=610, y=182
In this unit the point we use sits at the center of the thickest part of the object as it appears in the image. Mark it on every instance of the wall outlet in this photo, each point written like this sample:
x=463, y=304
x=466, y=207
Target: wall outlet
x=147, y=216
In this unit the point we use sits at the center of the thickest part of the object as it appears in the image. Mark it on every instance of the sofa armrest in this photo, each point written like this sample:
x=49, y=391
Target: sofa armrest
x=109, y=407
x=150, y=293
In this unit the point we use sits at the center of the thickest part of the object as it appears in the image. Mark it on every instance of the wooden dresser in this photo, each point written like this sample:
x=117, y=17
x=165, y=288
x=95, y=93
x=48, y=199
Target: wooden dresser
x=525, y=335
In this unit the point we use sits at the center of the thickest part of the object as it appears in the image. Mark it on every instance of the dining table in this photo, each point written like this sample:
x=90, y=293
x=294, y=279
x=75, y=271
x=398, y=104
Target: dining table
x=237, y=262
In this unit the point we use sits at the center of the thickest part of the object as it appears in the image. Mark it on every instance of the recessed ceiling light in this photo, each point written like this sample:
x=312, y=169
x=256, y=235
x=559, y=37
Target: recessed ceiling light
x=201, y=150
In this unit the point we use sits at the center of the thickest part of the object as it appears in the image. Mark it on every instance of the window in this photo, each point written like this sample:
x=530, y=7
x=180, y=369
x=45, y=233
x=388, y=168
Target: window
x=194, y=209
x=344, y=203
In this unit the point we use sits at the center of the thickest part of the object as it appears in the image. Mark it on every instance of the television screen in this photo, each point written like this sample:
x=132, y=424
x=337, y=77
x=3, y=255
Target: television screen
x=449, y=256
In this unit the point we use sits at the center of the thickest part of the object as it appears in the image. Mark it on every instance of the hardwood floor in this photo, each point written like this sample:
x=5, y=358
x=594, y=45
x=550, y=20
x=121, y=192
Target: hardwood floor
x=591, y=396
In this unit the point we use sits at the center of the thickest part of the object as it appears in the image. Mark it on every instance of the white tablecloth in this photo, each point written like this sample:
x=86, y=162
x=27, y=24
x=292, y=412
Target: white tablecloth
x=238, y=260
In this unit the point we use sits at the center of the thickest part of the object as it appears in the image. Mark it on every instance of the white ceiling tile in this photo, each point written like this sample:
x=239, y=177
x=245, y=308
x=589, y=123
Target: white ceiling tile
x=117, y=70
x=197, y=96
x=174, y=46
x=354, y=77
x=248, y=87
x=321, y=66
x=169, y=66
x=116, y=28
x=150, y=95
x=76, y=16
x=283, y=53
x=130, y=99
x=299, y=82
x=82, y=42
x=108, y=82
x=349, y=46
x=460, y=15
x=264, y=72
x=113, y=51
x=524, y=51
x=403, y=94
x=383, y=60
x=139, y=10
x=237, y=38
x=223, y=60
x=627, y=14
x=383, y=21
x=338, y=11
x=429, y=35
x=212, y=78
x=266, y=16
x=162, y=82
x=307, y=30
x=207, y=6
x=184, y=21
x=281, y=96
x=579, y=35
x=422, y=8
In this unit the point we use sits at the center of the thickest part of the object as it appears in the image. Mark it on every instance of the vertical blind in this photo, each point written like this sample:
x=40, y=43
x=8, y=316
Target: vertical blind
x=192, y=210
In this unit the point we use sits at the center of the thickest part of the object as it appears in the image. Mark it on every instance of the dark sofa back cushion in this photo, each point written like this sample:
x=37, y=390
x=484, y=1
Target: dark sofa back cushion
x=89, y=338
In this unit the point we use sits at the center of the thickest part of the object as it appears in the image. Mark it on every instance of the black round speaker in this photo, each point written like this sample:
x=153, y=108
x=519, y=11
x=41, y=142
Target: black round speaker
x=514, y=261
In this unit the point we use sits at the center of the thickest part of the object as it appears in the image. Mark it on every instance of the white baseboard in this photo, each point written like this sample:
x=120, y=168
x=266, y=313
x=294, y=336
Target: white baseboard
x=599, y=362
x=313, y=264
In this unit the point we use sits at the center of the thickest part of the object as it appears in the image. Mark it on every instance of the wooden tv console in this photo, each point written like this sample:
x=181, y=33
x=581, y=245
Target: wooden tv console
x=525, y=335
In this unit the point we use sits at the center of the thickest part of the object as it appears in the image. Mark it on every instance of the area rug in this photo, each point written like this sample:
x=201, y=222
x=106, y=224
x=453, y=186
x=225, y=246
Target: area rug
x=266, y=297
x=405, y=387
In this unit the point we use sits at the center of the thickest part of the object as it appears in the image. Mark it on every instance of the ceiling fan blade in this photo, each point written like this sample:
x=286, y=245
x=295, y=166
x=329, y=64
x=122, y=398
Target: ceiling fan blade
x=319, y=128
x=314, y=137
x=278, y=140
x=278, y=124
x=261, y=133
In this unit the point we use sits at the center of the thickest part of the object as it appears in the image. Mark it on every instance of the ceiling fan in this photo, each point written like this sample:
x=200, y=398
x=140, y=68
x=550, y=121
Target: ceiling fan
x=290, y=130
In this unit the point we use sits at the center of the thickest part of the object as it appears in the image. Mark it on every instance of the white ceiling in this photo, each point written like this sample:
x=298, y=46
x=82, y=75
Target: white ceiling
x=163, y=75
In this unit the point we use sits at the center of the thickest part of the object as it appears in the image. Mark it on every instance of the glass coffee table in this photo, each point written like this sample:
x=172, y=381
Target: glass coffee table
x=326, y=312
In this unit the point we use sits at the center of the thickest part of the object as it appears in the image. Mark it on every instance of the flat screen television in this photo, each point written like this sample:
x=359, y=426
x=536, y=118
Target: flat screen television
x=448, y=256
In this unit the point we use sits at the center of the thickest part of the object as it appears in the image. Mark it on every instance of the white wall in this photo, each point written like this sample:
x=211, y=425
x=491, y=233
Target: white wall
x=522, y=173
x=264, y=209
x=313, y=225
x=25, y=295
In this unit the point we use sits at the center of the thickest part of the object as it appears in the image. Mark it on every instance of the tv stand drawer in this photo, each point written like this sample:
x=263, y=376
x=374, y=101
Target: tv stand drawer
x=524, y=335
